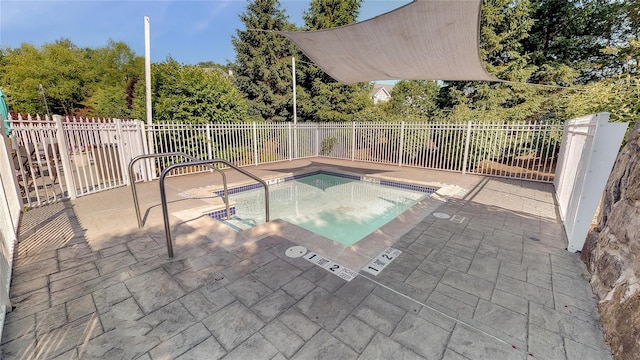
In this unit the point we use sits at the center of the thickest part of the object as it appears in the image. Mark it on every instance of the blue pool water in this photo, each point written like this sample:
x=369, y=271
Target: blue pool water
x=341, y=209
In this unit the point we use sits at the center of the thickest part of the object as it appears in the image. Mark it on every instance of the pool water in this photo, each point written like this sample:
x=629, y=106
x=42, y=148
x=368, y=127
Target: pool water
x=341, y=209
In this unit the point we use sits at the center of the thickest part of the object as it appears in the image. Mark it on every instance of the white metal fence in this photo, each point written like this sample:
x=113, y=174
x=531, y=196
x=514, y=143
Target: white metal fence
x=522, y=151
x=90, y=155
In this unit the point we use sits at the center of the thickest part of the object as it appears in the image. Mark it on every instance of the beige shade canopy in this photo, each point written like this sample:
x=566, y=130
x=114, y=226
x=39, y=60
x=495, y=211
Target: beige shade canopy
x=423, y=40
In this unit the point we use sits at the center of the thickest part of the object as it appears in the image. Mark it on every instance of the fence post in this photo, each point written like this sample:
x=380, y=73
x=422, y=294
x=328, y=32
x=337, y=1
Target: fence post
x=465, y=156
x=8, y=179
x=63, y=147
x=401, y=144
x=566, y=141
x=146, y=173
x=121, y=149
x=151, y=136
x=353, y=141
x=295, y=140
x=209, y=143
x=317, y=147
x=290, y=143
x=255, y=144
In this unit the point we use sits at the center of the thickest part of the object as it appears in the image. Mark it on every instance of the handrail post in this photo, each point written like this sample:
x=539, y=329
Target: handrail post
x=163, y=195
x=134, y=193
x=165, y=213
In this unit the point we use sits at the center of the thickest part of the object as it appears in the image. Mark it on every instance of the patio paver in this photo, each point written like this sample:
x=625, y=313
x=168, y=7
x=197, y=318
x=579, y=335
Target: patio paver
x=496, y=285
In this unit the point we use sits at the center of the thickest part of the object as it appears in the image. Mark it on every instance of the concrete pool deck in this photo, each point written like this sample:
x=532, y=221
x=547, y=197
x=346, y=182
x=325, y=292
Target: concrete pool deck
x=496, y=283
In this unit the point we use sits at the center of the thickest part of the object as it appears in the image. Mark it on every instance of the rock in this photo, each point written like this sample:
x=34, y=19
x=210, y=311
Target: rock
x=612, y=253
x=621, y=324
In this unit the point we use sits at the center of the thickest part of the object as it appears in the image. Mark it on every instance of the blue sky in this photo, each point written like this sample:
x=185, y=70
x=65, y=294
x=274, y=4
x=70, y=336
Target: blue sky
x=190, y=31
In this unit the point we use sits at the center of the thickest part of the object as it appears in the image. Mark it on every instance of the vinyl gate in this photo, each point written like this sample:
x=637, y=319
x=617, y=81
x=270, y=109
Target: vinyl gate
x=69, y=157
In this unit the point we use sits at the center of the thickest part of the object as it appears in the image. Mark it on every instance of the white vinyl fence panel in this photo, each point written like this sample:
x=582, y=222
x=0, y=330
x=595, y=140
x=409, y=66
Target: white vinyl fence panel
x=69, y=157
x=587, y=154
x=10, y=206
x=99, y=152
x=37, y=161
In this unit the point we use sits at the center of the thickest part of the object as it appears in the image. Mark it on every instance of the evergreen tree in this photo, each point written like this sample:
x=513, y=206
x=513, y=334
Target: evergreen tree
x=262, y=70
x=321, y=98
x=326, y=14
x=505, y=24
x=623, y=52
x=417, y=99
x=571, y=33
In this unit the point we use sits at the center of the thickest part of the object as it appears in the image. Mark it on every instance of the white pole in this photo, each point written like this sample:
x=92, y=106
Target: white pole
x=295, y=115
x=147, y=80
x=147, y=68
x=293, y=75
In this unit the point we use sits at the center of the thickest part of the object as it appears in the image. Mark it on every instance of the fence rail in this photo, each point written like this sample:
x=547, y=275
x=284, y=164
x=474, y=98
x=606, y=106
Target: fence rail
x=74, y=156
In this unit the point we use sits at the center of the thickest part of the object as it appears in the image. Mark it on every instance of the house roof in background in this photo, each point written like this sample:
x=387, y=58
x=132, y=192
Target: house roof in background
x=381, y=87
x=423, y=40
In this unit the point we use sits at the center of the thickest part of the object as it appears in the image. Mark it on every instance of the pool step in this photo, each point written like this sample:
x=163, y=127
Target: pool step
x=236, y=223
x=221, y=213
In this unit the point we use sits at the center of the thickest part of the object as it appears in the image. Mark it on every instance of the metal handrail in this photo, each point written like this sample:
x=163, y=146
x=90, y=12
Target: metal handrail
x=163, y=194
x=134, y=193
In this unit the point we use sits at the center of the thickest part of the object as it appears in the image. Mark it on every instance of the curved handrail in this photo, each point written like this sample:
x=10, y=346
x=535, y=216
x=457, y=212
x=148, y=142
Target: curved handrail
x=163, y=194
x=134, y=193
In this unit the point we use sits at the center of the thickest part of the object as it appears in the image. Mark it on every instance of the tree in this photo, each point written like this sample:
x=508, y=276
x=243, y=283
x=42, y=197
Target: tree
x=321, y=98
x=571, y=33
x=59, y=67
x=189, y=94
x=414, y=99
x=505, y=24
x=262, y=70
x=326, y=14
x=74, y=80
x=623, y=52
x=116, y=69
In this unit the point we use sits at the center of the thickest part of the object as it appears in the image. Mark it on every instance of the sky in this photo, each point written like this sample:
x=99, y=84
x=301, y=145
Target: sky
x=189, y=31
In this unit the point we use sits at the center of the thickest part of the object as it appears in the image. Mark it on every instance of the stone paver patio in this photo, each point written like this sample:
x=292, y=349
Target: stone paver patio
x=494, y=283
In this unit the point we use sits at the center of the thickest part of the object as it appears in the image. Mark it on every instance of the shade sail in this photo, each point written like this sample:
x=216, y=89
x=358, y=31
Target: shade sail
x=423, y=40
